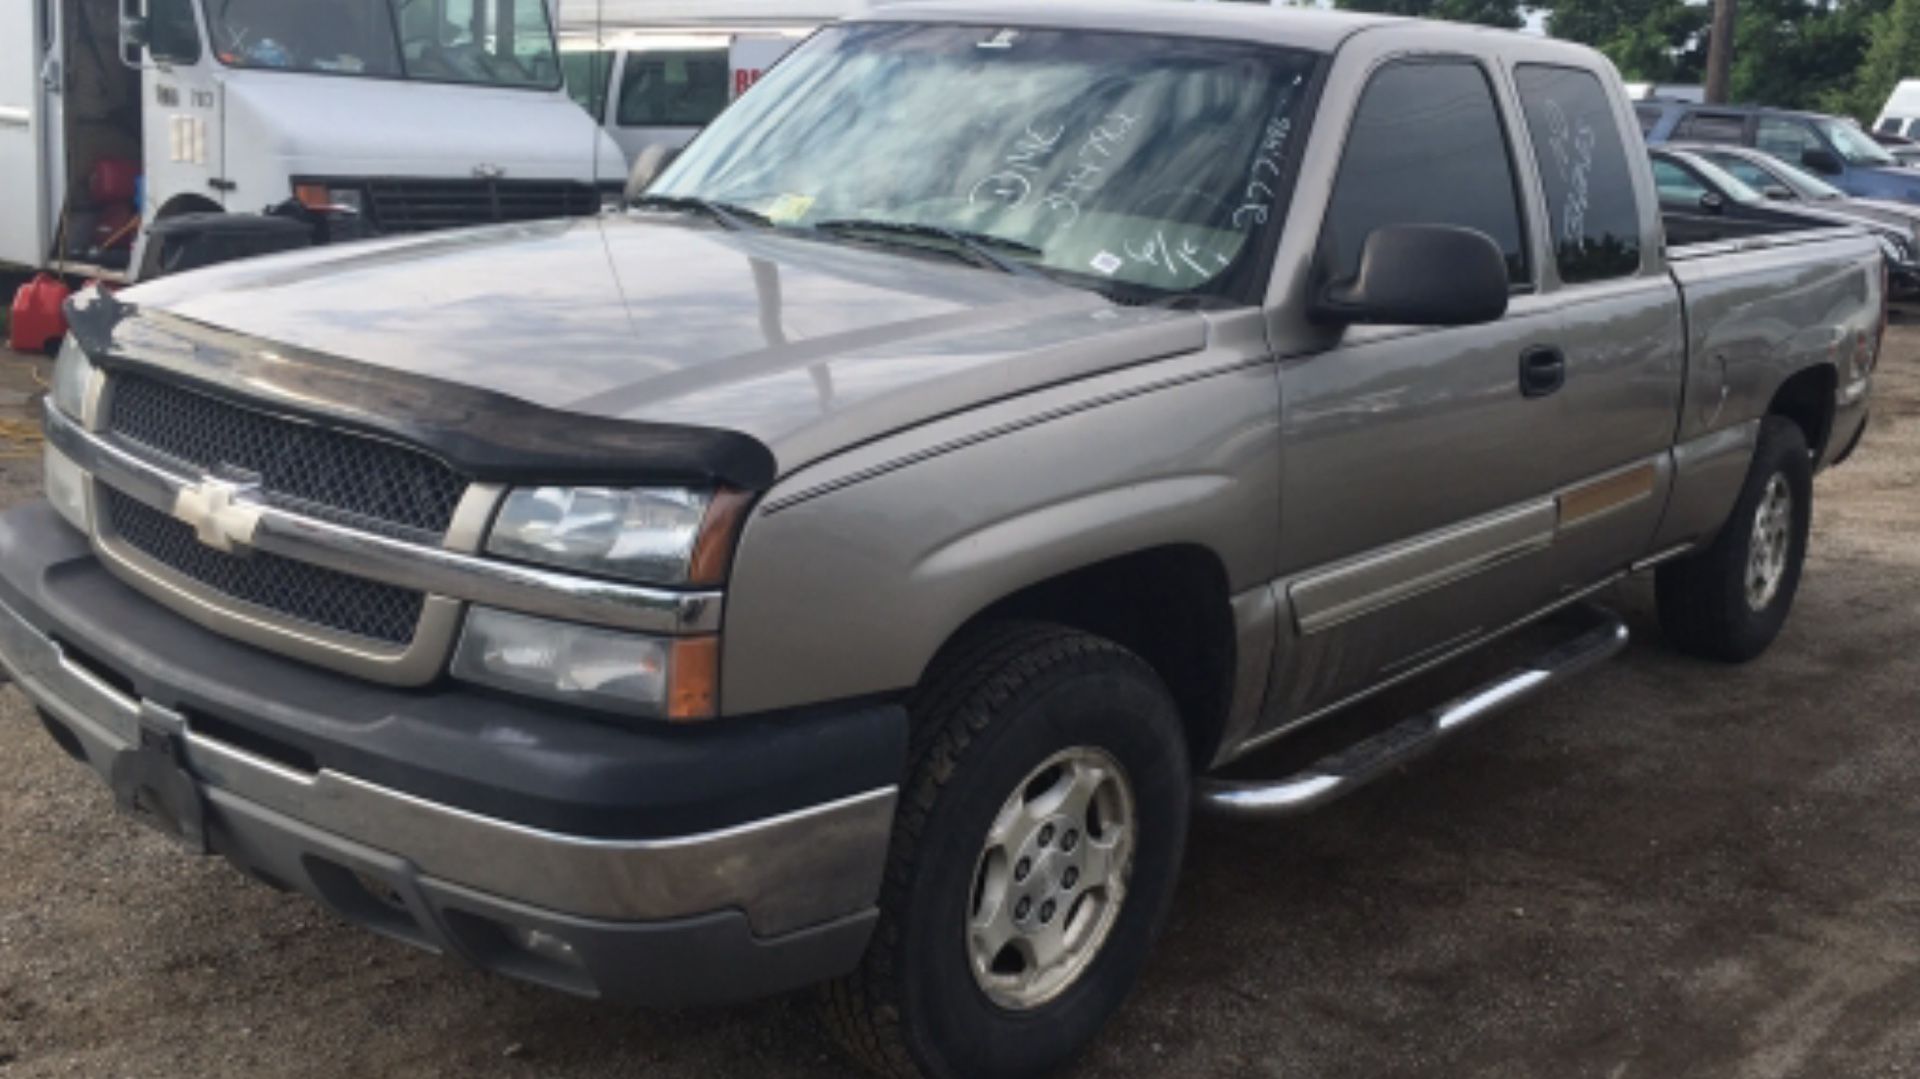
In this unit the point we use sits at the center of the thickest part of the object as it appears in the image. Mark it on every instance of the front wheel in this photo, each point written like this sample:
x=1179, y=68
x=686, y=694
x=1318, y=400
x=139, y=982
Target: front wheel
x=1730, y=601
x=1033, y=862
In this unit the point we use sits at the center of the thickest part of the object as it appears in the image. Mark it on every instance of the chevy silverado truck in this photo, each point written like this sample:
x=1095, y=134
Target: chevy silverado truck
x=851, y=564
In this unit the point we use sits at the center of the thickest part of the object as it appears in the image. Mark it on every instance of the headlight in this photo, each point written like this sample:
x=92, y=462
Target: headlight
x=650, y=677
x=72, y=376
x=651, y=534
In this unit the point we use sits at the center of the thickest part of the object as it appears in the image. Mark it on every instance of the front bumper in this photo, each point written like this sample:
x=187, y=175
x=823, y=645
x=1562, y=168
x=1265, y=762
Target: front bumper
x=662, y=866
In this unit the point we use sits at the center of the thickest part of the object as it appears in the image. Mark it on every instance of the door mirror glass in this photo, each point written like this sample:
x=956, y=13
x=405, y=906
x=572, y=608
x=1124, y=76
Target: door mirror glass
x=1421, y=275
x=1821, y=160
x=1777, y=193
x=1713, y=202
x=134, y=33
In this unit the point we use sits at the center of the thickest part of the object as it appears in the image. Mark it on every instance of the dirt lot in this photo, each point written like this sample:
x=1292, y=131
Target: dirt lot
x=1670, y=869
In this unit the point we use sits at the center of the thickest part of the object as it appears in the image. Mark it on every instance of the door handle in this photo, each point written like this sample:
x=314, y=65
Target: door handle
x=1543, y=370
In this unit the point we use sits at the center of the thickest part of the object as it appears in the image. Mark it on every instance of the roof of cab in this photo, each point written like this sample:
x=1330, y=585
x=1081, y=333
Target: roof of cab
x=1305, y=28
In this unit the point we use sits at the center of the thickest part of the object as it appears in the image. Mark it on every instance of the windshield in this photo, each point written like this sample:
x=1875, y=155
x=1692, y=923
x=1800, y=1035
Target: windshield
x=1111, y=157
x=490, y=42
x=1854, y=144
x=1776, y=172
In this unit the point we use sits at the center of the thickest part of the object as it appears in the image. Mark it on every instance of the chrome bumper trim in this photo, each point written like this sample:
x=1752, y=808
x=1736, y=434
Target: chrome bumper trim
x=434, y=570
x=785, y=872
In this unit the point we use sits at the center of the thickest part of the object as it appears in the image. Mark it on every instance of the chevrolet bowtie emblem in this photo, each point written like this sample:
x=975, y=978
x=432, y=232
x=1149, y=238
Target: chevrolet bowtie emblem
x=220, y=511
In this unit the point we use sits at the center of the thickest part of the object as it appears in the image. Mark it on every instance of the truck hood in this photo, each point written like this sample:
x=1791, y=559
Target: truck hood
x=804, y=345
x=332, y=126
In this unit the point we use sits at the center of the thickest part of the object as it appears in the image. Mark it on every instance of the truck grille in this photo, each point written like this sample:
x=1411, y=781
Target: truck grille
x=319, y=597
x=421, y=205
x=317, y=471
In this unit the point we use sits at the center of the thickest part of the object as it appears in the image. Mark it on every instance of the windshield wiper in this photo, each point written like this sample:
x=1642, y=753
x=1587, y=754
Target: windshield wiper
x=730, y=216
x=979, y=245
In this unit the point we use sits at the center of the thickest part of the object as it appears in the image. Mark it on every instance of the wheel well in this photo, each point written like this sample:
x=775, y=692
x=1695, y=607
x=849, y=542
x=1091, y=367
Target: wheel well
x=188, y=204
x=1807, y=400
x=1168, y=605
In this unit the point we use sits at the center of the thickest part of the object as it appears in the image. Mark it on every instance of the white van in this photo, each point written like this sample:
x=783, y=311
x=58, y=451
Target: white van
x=654, y=72
x=1901, y=116
x=396, y=115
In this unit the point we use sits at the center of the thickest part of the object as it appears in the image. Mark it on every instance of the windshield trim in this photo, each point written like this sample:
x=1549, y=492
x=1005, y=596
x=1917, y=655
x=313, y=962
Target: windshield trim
x=558, y=83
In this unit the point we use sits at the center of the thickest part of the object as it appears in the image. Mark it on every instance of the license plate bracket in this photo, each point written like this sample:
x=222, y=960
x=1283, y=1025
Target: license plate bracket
x=151, y=784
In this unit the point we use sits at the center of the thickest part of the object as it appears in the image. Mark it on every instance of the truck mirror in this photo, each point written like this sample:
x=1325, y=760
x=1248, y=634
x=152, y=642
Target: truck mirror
x=134, y=37
x=1777, y=193
x=1821, y=160
x=1712, y=201
x=1420, y=275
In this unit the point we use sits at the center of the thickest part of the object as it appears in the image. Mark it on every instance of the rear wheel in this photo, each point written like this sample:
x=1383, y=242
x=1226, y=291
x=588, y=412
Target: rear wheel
x=1033, y=862
x=1730, y=601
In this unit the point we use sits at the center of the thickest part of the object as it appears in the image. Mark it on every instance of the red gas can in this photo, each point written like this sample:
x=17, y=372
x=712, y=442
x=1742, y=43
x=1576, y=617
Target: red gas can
x=113, y=179
x=39, y=322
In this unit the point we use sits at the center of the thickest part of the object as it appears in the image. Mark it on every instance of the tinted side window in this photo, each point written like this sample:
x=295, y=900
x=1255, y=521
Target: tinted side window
x=1785, y=139
x=1678, y=187
x=1426, y=148
x=1711, y=127
x=1583, y=168
x=673, y=89
x=172, y=33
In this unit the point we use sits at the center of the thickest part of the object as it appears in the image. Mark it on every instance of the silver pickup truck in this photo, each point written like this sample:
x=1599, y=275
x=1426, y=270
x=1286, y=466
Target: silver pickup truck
x=852, y=563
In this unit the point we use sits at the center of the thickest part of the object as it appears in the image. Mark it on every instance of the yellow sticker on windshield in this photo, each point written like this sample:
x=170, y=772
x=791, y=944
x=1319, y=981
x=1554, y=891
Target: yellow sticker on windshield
x=789, y=208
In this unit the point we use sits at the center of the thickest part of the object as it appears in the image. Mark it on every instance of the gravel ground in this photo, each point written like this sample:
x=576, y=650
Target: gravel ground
x=1669, y=869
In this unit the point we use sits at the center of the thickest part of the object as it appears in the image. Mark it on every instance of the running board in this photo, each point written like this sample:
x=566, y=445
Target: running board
x=1410, y=739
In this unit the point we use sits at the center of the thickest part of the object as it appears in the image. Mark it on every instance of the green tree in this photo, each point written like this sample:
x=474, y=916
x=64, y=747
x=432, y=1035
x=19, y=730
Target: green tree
x=1648, y=40
x=1502, y=13
x=1800, y=53
x=1893, y=53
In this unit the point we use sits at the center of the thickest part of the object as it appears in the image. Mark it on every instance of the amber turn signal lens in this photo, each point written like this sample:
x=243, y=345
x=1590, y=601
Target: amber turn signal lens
x=313, y=196
x=693, y=681
x=713, y=550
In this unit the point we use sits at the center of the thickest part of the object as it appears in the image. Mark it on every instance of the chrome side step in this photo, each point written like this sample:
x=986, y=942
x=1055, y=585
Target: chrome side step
x=1367, y=760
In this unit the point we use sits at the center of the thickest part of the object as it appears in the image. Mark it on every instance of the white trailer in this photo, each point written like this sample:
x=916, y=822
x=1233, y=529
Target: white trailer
x=410, y=114
x=654, y=72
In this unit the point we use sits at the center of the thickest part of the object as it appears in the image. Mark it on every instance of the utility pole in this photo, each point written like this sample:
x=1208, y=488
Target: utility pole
x=1720, y=51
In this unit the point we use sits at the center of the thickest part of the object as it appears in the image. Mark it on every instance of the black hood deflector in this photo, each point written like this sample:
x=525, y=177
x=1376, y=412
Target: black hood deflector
x=488, y=436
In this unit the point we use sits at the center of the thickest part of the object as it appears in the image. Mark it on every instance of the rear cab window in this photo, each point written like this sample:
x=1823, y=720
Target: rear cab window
x=1584, y=171
x=1435, y=119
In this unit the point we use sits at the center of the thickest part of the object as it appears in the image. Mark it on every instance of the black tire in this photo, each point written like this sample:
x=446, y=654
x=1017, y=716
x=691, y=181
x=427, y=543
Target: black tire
x=1705, y=609
x=1003, y=704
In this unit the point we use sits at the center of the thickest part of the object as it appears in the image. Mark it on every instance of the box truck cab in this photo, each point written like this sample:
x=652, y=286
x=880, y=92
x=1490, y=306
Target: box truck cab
x=389, y=115
x=652, y=73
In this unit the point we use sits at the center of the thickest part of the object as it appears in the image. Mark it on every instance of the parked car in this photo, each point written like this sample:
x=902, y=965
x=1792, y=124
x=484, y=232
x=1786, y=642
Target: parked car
x=1832, y=148
x=1895, y=224
x=853, y=563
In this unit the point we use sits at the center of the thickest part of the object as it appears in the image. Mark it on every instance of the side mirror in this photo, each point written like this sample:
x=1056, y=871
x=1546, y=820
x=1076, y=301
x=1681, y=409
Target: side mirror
x=135, y=32
x=1777, y=193
x=647, y=167
x=1822, y=160
x=1420, y=275
x=1713, y=202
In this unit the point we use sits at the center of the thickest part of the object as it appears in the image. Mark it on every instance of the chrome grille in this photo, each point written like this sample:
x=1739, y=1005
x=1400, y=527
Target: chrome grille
x=310, y=594
x=317, y=471
x=420, y=205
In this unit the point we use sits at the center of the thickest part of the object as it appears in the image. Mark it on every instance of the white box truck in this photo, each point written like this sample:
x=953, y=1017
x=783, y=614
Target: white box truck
x=1901, y=115
x=652, y=73
x=387, y=116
